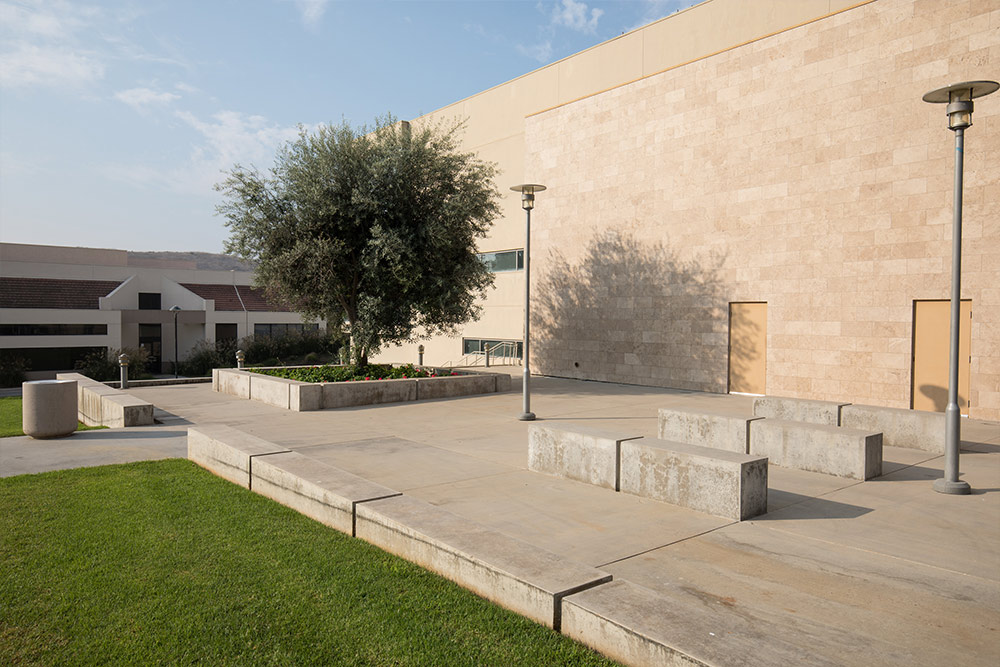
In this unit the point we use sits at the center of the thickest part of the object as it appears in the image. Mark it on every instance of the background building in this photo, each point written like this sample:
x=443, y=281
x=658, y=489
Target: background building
x=59, y=304
x=750, y=195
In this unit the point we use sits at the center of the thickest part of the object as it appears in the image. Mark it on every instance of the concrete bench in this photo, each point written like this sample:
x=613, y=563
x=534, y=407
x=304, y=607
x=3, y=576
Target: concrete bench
x=317, y=490
x=715, y=481
x=228, y=452
x=798, y=410
x=899, y=427
x=576, y=452
x=101, y=405
x=832, y=450
x=511, y=573
x=717, y=430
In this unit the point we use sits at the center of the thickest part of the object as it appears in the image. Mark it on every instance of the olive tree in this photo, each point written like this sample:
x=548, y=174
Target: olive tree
x=372, y=229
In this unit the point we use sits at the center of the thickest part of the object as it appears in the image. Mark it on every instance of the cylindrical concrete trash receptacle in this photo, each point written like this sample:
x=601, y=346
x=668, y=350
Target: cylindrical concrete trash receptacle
x=48, y=408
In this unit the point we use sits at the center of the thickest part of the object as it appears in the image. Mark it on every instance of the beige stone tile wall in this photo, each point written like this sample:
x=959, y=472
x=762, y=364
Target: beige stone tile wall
x=802, y=170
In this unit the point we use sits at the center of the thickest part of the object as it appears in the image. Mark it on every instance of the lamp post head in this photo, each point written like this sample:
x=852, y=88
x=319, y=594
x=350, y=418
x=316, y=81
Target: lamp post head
x=959, y=98
x=175, y=309
x=528, y=191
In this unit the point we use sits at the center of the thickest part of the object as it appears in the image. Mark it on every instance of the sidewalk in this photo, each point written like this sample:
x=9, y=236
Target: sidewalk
x=838, y=571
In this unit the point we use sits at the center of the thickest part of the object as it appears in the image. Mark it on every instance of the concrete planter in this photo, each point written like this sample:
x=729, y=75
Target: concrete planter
x=305, y=396
x=48, y=409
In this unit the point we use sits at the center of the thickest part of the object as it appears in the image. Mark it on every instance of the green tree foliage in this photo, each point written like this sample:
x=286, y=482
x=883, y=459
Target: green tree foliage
x=374, y=228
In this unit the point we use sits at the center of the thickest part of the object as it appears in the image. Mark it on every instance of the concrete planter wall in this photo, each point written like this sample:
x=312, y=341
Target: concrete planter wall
x=306, y=396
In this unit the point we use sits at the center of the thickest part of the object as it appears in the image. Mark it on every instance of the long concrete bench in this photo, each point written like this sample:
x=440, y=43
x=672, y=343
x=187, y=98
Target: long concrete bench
x=899, y=427
x=576, y=452
x=228, y=452
x=514, y=574
x=798, y=410
x=833, y=450
x=727, y=484
x=319, y=491
x=717, y=430
x=101, y=405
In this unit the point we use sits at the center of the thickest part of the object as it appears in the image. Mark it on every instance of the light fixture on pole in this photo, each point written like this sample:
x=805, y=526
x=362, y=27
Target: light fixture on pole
x=527, y=191
x=959, y=98
x=175, y=310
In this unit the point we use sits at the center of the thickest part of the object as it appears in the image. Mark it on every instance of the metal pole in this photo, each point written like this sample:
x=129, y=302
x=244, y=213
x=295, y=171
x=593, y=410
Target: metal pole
x=950, y=483
x=527, y=414
x=175, y=344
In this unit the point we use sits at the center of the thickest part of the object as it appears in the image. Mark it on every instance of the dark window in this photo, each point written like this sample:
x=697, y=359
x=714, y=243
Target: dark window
x=149, y=301
x=507, y=260
x=53, y=329
x=151, y=341
x=279, y=330
x=49, y=358
x=224, y=332
x=480, y=345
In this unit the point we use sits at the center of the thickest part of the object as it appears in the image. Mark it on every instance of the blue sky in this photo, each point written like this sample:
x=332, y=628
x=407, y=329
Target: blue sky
x=116, y=118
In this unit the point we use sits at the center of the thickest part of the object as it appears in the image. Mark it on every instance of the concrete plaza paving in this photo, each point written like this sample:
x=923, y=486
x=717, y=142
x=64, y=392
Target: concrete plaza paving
x=837, y=572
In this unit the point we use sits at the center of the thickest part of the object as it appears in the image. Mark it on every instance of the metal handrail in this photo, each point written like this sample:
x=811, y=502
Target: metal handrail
x=507, y=354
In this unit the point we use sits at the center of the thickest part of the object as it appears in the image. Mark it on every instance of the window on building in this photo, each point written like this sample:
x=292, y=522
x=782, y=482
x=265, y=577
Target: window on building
x=149, y=301
x=53, y=329
x=507, y=260
x=480, y=345
x=49, y=358
x=224, y=332
x=279, y=330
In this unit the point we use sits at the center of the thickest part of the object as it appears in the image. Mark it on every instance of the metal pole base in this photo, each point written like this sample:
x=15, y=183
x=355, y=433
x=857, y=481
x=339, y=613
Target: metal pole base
x=959, y=488
x=527, y=416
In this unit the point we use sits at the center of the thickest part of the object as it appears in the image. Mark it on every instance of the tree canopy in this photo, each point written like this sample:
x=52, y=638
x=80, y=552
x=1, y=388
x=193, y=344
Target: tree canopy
x=373, y=230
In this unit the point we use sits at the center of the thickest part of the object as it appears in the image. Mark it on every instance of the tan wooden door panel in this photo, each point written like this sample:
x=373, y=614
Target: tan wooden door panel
x=747, y=348
x=931, y=343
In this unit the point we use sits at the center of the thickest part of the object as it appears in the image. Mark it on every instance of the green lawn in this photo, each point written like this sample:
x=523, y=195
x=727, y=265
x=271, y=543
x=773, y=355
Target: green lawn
x=10, y=418
x=162, y=562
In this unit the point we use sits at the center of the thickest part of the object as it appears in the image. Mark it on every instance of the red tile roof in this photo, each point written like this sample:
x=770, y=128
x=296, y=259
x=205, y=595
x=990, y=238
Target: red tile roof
x=226, y=298
x=54, y=293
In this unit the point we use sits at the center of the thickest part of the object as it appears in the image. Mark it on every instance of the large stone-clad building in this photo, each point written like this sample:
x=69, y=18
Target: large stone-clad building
x=750, y=195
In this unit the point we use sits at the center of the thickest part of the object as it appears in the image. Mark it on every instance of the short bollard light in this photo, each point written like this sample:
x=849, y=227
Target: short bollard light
x=420, y=355
x=123, y=366
x=240, y=358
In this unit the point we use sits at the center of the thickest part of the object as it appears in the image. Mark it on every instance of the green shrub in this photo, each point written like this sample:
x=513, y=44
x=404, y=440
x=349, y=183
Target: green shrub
x=12, y=370
x=350, y=373
x=103, y=366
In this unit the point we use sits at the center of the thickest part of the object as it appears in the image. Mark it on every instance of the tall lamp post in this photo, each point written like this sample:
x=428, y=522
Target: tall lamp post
x=959, y=98
x=527, y=191
x=175, y=310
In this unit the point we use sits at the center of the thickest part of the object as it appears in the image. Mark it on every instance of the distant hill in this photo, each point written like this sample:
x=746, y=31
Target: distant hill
x=208, y=261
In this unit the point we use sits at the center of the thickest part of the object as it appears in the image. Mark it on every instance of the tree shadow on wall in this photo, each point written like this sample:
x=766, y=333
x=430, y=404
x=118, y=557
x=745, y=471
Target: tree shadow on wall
x=633, y=312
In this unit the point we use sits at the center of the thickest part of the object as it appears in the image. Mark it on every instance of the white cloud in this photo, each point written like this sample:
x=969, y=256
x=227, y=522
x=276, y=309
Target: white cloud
x=226, y=139
x=185, y=88
x=29, y=65
x=40, y=45
x=311, y=10
x=574, y=15
x=141, y=98
x=542, y=52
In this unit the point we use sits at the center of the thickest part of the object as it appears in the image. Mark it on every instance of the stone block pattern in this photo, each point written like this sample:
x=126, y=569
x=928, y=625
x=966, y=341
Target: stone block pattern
x=802, y=170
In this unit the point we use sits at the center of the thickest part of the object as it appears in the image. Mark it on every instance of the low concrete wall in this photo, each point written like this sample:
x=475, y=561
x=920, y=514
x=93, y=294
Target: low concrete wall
x=900, y=428
x=228, y=452
x=369, y=392
x=730, y=432
x=844, y=452
x=451, y=386
x=798, y=410
x=719, y=482
x=576, y=452
x=511, y=573
x=319, y=491
x=306, y=396
x=100, y=405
